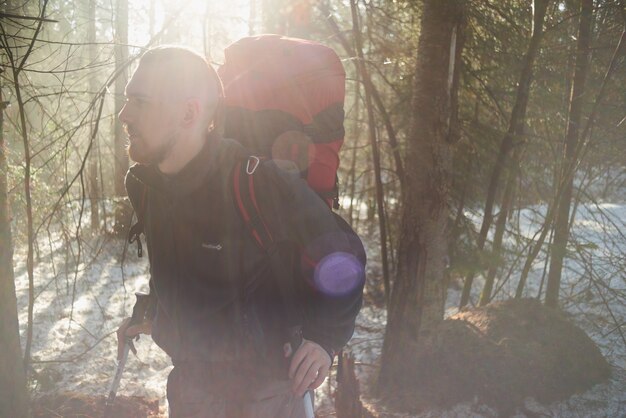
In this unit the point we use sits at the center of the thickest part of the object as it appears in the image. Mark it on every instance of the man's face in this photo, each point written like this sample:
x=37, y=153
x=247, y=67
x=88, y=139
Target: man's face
x=150, y=117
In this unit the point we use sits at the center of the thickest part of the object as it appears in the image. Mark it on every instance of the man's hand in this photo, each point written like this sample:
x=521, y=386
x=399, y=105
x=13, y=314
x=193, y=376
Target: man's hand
x=309, y=367
x=129, y=331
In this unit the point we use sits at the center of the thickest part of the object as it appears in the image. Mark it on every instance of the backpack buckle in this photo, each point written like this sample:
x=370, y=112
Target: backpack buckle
x=252, y=165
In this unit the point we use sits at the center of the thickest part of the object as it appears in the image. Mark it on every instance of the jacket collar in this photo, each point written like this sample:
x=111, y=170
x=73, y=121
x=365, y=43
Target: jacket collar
x=192, y=176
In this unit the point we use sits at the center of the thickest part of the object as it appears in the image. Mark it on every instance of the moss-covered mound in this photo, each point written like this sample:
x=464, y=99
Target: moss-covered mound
x=501, y=354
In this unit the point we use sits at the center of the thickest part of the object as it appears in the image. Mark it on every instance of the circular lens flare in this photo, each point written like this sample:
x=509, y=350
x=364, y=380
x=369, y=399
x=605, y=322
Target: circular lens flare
x=338, y=274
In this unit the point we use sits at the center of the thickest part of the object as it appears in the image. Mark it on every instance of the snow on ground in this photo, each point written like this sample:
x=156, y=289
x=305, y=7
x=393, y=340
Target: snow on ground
x=74, y=348
x=599, y=232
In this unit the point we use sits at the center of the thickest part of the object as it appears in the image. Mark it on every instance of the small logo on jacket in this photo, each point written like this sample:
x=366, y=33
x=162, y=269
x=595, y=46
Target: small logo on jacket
x=209, y=246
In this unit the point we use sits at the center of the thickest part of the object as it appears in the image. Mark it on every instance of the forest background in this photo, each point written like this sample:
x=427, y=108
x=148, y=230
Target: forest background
x=485, y=157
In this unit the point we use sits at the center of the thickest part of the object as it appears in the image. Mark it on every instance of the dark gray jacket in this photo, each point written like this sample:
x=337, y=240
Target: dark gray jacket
x=217, y=297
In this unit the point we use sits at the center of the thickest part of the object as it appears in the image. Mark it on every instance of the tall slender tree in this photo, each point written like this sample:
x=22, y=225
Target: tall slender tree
x=577, y=98
x=273, y=15
x=372, y=132
x=13, y=393
x=122, y=211
x=94, y=189
x=252, y=17
x=514, y=132
x=417, y=299
x=13, y=365
x=496, y=251
x=355, y=134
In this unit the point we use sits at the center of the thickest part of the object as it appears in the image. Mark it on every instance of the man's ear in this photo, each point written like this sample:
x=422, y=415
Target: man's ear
x=191, y=112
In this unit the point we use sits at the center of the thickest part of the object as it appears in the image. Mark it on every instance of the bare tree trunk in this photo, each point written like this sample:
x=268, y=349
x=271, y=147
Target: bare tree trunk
x=151, y=18
x=123, y=212
x=455, y=231
x=551, y=212
x=348, y=394
x=513, y=135
x=417, y=301
x=496, y=248
x=386, y=118
x=94, y=189
x=561, y=226
x=375, y=150
x=355, y=144
x=207, y=32
x=17, y=65
x=534, y=252
x=273, y=15
x=252, y=18
x=13, y=367
x=13, y=396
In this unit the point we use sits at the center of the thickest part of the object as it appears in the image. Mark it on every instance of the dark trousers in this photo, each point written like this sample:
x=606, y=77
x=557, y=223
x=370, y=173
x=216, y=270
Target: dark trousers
x=209, y=391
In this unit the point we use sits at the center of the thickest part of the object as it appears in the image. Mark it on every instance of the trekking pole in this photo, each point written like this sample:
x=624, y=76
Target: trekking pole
x=308, y=405
x=139, y=313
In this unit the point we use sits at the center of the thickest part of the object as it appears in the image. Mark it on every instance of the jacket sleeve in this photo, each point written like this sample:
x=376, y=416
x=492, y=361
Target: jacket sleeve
x=136, y=191
x=333, y=259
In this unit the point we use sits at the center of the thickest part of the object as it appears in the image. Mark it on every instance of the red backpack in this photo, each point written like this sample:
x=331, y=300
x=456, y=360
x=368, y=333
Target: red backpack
x=284, y=100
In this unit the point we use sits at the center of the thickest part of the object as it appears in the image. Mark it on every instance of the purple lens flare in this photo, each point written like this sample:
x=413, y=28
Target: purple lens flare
x=338, y=274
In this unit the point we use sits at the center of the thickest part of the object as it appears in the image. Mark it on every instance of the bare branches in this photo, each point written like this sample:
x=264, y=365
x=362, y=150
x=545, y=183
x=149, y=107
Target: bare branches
x=34, y=18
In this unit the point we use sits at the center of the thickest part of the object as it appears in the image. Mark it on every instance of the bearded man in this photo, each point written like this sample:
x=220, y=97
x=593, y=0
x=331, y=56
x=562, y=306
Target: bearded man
x=219, y=307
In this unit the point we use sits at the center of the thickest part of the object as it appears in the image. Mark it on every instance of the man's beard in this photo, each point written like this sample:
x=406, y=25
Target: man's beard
x=145, y=154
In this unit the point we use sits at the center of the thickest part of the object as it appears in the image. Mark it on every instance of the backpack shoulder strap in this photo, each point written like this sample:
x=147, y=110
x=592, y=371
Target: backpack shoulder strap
x=246, y=201
x=134, y=234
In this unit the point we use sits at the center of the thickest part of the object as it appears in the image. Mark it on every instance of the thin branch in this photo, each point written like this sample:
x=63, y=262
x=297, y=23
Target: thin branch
x=35, y=18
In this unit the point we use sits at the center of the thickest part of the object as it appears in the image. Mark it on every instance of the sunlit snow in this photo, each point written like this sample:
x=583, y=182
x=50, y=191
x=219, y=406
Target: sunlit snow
x=74, y=348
